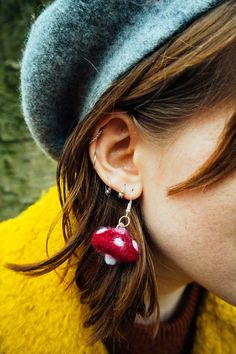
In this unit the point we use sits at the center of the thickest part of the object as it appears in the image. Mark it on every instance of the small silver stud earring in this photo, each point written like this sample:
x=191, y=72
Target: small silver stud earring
x=121, y=193
x=108, y=189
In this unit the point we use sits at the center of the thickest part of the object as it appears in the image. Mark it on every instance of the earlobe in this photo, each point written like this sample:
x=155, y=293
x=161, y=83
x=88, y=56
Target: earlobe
x=112, y=152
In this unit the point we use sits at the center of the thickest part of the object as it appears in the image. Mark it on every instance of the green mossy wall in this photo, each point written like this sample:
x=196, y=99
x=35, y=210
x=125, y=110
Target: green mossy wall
x=25, y=171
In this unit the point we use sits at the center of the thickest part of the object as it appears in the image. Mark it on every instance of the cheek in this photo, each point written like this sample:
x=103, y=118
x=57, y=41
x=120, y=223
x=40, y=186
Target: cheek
x=190, y=223
x=194, y=231
x=178, y=224
x=180, y=228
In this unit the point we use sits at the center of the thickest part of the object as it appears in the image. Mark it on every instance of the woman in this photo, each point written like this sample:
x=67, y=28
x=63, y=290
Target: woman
x=136, y=102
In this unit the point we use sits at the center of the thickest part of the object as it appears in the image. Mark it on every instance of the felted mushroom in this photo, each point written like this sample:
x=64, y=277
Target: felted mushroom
x=116, y=244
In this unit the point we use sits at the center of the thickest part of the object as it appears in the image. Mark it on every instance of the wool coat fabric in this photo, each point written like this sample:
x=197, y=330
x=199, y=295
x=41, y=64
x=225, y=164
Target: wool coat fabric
x=39, y=317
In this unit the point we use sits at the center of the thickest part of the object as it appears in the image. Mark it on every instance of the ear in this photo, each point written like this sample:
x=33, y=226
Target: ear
x=117, y=153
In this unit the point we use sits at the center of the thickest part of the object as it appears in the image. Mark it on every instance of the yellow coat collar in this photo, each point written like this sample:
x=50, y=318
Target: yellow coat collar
x=38, y=316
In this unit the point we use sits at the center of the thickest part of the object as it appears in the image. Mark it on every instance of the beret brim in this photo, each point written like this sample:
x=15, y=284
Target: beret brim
x=75, y=50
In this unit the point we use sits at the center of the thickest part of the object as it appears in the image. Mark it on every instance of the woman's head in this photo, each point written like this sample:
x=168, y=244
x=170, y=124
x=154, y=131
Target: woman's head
x=169, y=133
x=172, y=137
x=191, y=231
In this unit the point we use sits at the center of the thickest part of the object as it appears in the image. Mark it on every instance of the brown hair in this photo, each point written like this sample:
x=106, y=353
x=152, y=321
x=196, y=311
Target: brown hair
x=192, y=71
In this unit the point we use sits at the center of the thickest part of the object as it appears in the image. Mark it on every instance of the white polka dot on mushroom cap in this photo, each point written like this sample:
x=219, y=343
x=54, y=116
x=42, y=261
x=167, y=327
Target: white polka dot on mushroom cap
x=118, y=242
x=102, y=229
x=135, y=245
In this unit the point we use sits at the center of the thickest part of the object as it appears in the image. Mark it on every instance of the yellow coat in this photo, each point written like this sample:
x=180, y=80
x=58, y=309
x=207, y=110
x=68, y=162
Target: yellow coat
x=38, y=317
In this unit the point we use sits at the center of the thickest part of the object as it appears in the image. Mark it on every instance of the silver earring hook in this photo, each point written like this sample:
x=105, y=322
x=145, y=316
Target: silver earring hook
x=127, y=211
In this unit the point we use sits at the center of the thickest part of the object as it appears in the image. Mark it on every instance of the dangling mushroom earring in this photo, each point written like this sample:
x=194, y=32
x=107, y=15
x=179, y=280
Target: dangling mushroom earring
x=115, y=243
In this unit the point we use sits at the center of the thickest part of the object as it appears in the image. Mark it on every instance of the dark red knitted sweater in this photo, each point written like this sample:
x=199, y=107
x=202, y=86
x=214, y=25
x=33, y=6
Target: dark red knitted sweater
x=175, y=336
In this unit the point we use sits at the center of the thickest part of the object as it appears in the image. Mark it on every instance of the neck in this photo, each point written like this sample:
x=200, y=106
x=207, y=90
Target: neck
x=168, y=303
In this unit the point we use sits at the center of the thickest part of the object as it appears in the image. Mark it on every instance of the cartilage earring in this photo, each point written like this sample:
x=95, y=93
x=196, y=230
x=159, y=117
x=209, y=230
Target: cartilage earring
x=95, y=153
x=108, y=189
x=115, y=243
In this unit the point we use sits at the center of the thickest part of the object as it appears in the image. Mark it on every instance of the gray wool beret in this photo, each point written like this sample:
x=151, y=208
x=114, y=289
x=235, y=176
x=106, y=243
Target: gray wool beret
x=76, y=48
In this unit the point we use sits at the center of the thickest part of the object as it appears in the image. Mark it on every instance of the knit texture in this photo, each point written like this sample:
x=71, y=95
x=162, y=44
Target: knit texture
x=76, y=49
x=175, y=336
x=38, y=317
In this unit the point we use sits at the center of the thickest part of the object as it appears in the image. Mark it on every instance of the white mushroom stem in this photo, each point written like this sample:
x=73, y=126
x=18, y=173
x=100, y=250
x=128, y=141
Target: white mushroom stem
x=109, y=259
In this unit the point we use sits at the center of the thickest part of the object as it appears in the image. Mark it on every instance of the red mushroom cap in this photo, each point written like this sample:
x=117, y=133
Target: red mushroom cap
x=116, y=242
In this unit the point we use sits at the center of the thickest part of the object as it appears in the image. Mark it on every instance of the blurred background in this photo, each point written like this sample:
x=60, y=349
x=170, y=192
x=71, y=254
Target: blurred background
x=25, y=171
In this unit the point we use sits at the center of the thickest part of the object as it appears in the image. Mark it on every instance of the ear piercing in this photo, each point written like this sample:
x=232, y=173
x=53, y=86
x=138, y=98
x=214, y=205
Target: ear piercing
x=116, y=244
